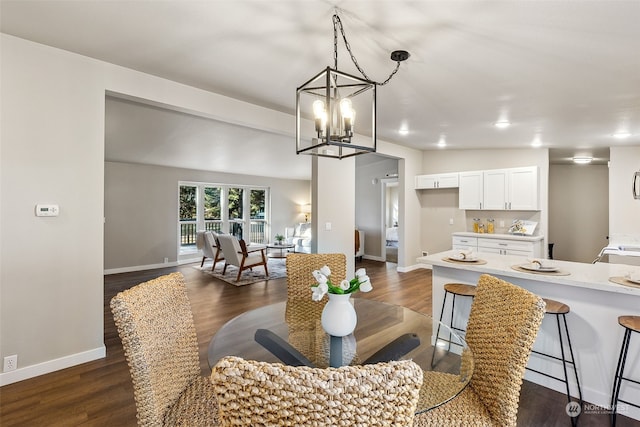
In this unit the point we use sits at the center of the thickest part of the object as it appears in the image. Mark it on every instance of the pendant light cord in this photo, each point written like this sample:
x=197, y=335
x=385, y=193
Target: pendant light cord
x=337, y=23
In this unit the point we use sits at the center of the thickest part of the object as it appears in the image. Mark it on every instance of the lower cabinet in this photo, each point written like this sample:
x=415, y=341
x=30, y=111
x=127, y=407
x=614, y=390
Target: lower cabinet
x=525, y=248
x=462, y=243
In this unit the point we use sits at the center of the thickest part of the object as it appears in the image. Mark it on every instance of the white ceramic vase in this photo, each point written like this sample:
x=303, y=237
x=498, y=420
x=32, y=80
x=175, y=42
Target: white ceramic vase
x=338, y=316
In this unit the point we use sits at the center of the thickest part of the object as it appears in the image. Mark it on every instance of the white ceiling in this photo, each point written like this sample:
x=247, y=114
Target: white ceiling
x=568, y=71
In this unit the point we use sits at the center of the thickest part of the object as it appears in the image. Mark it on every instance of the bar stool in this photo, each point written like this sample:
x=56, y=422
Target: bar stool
x=560, y=310
x=630, y=324
x=455, y=289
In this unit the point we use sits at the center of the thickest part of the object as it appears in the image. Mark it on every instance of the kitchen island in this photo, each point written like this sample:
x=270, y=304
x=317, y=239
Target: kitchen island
x=595, y=304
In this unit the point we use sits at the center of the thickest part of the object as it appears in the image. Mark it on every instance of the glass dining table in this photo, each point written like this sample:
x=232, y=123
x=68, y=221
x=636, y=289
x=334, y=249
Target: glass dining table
x=291, y=333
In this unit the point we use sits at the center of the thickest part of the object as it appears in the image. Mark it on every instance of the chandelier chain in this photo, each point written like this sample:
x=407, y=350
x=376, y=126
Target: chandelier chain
x=338, y=23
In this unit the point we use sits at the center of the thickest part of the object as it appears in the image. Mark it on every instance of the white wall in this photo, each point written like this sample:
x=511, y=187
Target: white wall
x=624, y=210
x=52, y=113
x=578, y=211
x=52, y=151
x=141, y=209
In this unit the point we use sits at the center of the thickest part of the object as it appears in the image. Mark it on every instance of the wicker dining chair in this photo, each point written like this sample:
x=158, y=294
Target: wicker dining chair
x=158, y=335
x=302, y=314
x=503, y=324
x=254, y=393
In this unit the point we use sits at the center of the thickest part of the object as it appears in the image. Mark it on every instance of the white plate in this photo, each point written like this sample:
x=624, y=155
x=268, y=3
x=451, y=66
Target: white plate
x=637, y=282
x=537, y=268
x=467, y=259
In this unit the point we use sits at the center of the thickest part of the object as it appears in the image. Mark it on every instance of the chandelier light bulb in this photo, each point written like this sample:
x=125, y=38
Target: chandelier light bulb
x=348, y=115
x=318, y=109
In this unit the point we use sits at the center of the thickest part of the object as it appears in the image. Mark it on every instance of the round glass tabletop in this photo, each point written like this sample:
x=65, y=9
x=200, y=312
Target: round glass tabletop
x=291, y=333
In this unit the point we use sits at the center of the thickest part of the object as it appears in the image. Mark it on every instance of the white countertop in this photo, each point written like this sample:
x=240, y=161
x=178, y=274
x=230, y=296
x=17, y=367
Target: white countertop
x=582, y=275
x=498, y=236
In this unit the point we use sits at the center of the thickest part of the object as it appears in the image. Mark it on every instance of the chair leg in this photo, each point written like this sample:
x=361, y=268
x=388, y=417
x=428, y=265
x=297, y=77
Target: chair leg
x=224, y=270
x=617, y=380
x=241, y=267
x=202, y=263
x=216, y=259
x=574, y=420
x=264, y=262
x=435, y=346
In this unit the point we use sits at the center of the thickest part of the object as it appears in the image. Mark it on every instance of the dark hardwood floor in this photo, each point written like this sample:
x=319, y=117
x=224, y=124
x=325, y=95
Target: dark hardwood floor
x=100, y=393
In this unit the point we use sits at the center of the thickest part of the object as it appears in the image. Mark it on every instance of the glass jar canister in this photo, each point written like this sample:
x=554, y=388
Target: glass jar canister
x=490, y=225
x=476, y=225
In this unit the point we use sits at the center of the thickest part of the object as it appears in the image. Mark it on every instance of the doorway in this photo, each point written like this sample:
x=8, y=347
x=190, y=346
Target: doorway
x=390, y=219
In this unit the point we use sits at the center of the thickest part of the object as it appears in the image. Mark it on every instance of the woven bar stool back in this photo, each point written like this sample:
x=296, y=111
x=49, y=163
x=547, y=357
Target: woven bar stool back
x=272, y=394
x=503, y=324
x=158, y=335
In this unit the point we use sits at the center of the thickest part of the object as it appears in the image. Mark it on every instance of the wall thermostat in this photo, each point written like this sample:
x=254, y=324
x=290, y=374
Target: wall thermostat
x=47, y=210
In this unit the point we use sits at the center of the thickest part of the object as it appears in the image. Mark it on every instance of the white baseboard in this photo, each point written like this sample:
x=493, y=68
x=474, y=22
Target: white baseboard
x=146, y=267
x=52, y=366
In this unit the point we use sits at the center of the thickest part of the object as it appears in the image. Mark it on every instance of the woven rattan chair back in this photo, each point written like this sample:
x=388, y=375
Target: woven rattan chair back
x=300, y=267
x=302, y=314
x=254, y=393
x=503, y=325
x=158, y=335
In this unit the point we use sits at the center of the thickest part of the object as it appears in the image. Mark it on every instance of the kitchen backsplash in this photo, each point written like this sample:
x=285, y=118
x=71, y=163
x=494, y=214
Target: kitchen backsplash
x=502, y=219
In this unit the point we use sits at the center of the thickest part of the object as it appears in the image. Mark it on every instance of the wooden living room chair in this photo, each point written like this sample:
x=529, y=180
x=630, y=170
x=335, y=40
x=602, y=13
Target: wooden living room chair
x=207, y=242
x=503, y=325
x=252, y=393
x=237, y=253
x=155, y=323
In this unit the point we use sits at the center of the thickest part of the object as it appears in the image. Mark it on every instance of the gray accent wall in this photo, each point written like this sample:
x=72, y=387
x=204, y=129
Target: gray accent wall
x=141, y=209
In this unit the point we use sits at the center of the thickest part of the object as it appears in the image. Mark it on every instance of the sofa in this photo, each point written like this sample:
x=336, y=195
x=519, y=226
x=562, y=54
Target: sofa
x=300, y=236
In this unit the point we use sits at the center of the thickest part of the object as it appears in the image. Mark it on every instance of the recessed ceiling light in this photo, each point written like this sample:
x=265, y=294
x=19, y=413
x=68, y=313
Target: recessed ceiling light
x=582, y=160
x=403, y=131
x=537, y=141
x=502, y=124
x=442, y=142
x=622, y=135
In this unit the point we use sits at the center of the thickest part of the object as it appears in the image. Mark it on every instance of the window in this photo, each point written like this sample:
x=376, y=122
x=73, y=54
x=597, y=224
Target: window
x=188, y=215
x=222, y=208
x=213, y=209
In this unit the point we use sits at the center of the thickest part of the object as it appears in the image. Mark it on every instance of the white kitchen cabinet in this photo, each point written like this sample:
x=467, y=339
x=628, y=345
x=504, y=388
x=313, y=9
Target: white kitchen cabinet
x=523, y=189
x=444, y=180
x=462, y=243
x=470, y=193
x=500, y=189
x=503, y=244
x=531, y=249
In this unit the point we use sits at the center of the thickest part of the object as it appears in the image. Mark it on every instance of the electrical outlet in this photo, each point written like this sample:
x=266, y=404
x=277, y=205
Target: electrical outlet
x=10, y=363
x=166, y=260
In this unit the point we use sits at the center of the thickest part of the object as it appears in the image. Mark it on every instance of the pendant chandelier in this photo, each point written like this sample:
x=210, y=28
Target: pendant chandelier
x=332, y=98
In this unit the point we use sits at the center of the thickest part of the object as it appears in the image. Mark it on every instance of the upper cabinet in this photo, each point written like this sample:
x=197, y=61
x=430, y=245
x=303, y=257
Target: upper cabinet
x=443, y=180
x=500, y=189
x=470, y=195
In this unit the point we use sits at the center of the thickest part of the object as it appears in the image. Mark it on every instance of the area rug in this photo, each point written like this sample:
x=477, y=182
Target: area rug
x=277, y=269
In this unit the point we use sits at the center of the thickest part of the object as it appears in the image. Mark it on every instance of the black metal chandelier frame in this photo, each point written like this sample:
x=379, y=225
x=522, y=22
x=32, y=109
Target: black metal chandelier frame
x=332, y=94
